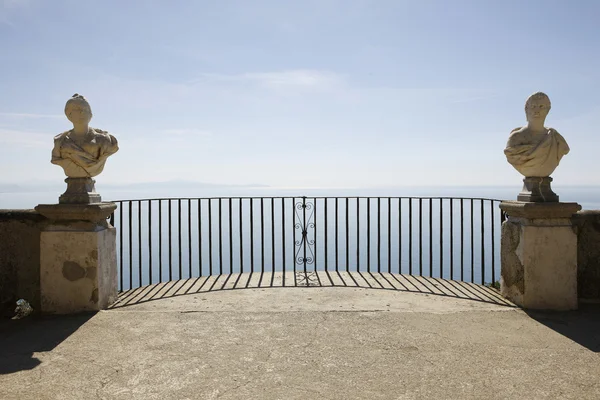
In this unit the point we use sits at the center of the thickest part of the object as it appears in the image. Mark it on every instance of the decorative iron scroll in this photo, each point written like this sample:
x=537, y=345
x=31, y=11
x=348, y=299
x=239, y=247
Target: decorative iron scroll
x=305, y=247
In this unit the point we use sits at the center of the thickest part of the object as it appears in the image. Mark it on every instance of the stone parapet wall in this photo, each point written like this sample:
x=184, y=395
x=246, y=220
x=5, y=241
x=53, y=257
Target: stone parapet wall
x=20, y=258
x=588, y=254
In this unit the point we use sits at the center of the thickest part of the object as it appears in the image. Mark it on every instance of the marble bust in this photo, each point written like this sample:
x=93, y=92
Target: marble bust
x=535, y=150
x=83, y=150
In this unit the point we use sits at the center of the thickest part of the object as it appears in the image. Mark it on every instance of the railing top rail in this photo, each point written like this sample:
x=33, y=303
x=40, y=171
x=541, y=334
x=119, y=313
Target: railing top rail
x=310, y=197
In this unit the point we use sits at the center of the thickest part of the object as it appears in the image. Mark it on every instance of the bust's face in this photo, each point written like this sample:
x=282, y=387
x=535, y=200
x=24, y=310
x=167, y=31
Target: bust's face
x=79, y=113
x=537, y=109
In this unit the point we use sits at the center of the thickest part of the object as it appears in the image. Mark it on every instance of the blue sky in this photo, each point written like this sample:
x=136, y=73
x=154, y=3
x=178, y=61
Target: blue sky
x=300, y=93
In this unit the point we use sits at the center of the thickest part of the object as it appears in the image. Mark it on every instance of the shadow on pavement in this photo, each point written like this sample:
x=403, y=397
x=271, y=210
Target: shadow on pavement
x=261, y=280
x=20, y=339
x=581, y=326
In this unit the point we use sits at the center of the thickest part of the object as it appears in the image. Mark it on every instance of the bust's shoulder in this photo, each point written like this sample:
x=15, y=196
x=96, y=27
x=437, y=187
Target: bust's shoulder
x=61, y=136
x=518, y=137
x=100, y=132
x=108, y=142
x=518, y=131
x=101, y=135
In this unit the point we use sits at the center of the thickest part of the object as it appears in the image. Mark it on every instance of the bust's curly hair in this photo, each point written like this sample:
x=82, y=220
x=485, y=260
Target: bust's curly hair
x=537, y=96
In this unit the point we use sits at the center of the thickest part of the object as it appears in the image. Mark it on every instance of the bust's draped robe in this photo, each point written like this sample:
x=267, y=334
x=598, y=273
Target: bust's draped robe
x=537, y=159
x=78, y=162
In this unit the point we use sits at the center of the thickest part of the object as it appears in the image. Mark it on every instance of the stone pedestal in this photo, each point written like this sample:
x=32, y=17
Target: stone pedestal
x=80, y=191
x=537, y=189
x=539, y=255
x=78, y=258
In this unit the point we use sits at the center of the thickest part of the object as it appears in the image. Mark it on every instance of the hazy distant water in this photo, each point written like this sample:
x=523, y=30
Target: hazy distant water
x=588, y=197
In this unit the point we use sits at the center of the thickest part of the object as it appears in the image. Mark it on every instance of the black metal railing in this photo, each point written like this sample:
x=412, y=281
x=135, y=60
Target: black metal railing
x=161, y=240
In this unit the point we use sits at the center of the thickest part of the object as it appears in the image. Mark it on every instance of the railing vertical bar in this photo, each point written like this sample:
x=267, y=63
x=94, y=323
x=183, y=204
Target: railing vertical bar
x=316, y=247
x=179, y=235
x=273, y=235
x=441, y=238
x=326, y=221
x=462, y=242
x=140, y=243
x=150, y=242
x=347, y=260
x=357, y=234
x=472, y=246
x=210, y=236
x=160, y=250
x=430, y=237
x=482, y=244
x=368, y=234
x=294, y=232
x=170, y=243
x=199, y=237
x=389, y=234
x=337, y=261
x=379, y=234
x=251, y=235
x=262, y=235
x=220, y=236
x=130, y=245
x=190, y=237
x=399, y=235
x=283, y=239
x=305, y=233
x=451, y=239
x=121, y=230
x=420, y=237
x=241, y=223
x=410, y=236
x=230, y=236
x=493, y=241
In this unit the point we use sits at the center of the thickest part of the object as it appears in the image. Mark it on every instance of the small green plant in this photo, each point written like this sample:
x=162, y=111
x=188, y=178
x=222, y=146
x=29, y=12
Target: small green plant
x=493, y=285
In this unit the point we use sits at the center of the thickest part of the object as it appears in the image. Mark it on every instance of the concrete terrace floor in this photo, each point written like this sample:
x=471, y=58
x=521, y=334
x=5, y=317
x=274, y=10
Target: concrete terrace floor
x=345, y=336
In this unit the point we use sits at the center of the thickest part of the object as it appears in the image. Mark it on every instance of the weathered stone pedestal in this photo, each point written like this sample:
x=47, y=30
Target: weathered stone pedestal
x=78, y=258
x=539, y=255
x=80, y=191
x=537, y=189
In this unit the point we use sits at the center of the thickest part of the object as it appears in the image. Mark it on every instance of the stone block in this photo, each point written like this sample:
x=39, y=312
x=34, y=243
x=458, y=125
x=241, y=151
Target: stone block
x=588, y=254
x=539, y=255
x=78, y=268
x=20, y=259
x=93, y=213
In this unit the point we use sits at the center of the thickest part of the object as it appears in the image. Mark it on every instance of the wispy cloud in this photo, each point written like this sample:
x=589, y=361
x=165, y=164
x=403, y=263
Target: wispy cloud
x=296, y=78
x=186, y=132
x=15, y=3
x=6, y=6
x=465, y=97
x=287, y=79
x=25, y=138
x=30, y=116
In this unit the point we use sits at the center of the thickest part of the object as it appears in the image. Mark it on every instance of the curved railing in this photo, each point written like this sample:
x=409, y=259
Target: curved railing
x=167, y=239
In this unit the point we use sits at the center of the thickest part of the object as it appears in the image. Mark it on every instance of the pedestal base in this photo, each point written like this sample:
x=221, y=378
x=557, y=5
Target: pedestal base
x=80, y=191
x=78, y=258
x=537, y=190
x=78, y=269
x=539, y=255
